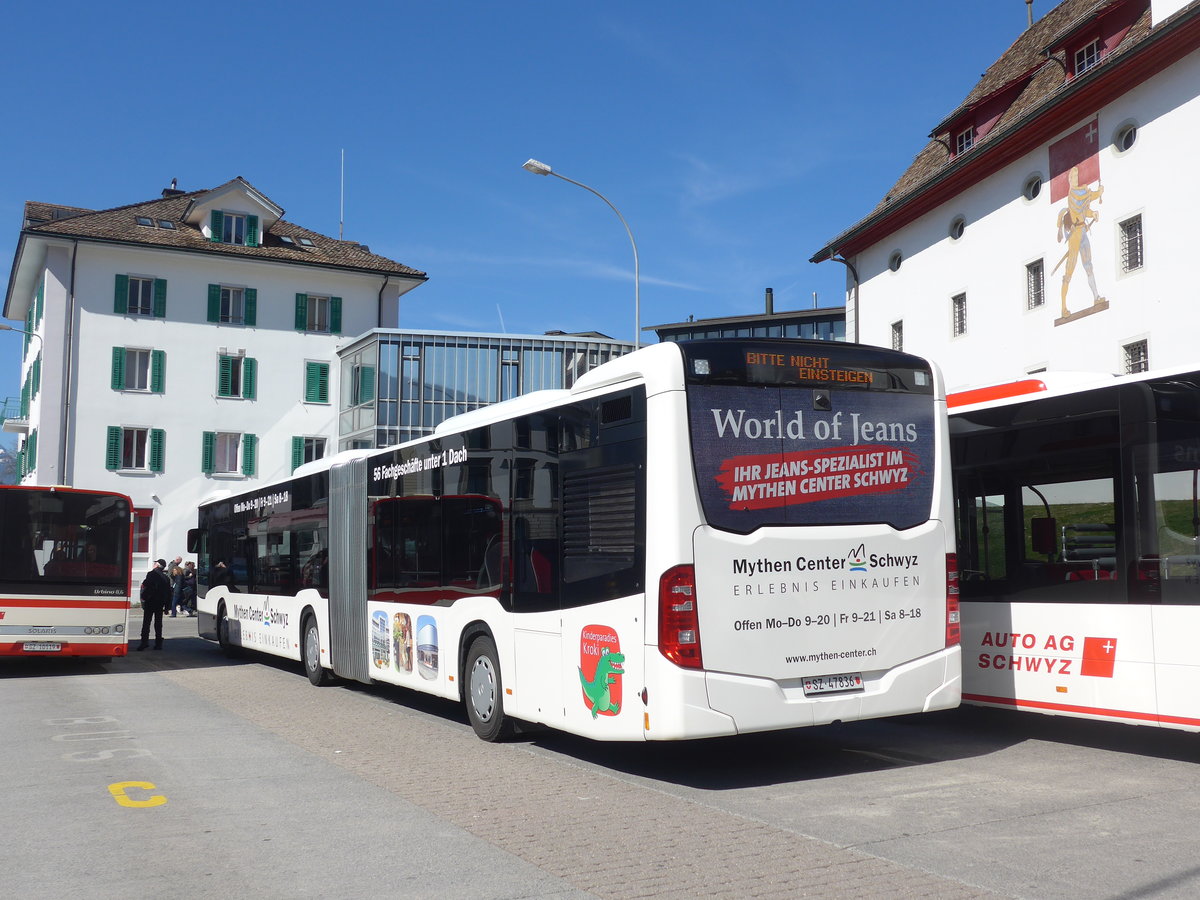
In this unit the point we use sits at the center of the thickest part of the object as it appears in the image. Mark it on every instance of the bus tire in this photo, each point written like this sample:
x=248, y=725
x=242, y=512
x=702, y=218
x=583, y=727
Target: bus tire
x=310, y=652
x=485, y=692
x=227, y=646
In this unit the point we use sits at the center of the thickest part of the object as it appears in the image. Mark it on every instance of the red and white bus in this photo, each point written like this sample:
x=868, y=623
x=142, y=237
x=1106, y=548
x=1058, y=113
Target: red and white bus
x=696, y=539
x=65, y=571
x=1078, y=517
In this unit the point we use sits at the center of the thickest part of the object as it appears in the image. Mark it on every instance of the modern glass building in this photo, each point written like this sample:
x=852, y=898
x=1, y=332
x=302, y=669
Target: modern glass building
x=398, y=385
x=823, y=324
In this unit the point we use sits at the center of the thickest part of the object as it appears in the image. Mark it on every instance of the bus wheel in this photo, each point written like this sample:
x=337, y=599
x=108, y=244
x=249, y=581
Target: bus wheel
x=227, y=646
x=310, y=653
x=485, y=694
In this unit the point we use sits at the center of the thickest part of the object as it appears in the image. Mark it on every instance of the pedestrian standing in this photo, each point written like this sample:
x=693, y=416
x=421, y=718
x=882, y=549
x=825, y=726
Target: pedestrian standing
x=156, y=597
x=189, y=587
x=176, y=589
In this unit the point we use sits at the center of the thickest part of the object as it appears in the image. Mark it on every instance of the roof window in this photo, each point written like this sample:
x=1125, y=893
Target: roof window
x=169, y=226
x=146, y=221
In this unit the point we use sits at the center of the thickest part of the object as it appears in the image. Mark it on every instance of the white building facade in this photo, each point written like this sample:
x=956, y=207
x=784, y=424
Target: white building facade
x=1048, y=224
x=185, y=345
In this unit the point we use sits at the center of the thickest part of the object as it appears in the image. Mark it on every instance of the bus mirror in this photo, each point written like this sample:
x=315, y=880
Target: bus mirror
x=195, y=538
x=1042, y=531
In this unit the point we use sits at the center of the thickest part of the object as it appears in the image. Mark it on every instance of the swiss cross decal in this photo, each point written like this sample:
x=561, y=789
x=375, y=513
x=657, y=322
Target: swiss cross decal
x=1099, y=654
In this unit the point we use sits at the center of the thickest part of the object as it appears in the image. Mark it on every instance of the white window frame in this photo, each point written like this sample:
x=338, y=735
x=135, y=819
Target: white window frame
x=138, y=365
x=314, y=448
x=965, y=140
x=232, y=310
x=1087, y=57
x=317, y=313
x=135, y=443
x=233, y=228
x=140, y=288
x=222, y=451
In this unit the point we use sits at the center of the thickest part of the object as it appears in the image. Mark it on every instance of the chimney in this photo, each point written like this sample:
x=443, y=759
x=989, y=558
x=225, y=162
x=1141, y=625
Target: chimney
x=171, y=191
x=1029, y=12
x=770, y=302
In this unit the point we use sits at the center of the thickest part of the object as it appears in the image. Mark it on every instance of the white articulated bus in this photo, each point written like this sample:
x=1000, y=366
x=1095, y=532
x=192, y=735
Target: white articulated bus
x=65, y=572
x=1078, y=514
x=696, y=539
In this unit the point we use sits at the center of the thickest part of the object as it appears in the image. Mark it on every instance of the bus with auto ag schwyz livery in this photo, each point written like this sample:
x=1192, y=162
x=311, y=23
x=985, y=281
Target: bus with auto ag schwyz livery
x=1078, y=514
x=696, y=539
x=65, y=572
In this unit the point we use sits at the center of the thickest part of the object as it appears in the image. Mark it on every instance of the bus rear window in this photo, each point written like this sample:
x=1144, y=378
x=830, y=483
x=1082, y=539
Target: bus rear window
x=784, y=455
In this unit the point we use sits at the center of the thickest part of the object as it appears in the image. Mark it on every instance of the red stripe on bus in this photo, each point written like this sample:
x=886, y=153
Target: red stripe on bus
x=995, y=392
x=64, y=604
x=1082, y=710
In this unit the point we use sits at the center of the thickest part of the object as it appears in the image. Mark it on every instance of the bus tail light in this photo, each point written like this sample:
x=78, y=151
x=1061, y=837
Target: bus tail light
x=952, y=615
x=678, y=618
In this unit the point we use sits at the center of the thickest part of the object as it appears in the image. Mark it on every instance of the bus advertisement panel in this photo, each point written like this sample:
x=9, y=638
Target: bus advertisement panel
x=65, y=572
x=697, y=539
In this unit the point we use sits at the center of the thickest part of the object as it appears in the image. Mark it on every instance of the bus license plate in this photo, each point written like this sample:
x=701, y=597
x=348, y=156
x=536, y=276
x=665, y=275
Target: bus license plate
x=32, y=646
x=829, y=684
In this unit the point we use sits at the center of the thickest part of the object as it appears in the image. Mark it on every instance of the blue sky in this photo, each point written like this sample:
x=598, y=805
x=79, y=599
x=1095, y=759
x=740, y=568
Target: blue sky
x=736, y=139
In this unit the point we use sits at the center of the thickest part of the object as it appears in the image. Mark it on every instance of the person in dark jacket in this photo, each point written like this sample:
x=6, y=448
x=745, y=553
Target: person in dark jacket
x=156, y=597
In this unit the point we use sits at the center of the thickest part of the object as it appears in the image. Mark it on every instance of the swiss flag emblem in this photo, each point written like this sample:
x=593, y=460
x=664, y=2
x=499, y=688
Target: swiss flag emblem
x=1099, y=654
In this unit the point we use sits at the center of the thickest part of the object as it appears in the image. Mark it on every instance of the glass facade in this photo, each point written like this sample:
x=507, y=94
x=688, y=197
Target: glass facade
x=399, y=385
x=827, y=327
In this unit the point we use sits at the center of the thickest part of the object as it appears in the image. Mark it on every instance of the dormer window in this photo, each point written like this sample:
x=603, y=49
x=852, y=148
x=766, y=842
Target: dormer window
x=1087, y=56
x=233, y=228
x=965, y=141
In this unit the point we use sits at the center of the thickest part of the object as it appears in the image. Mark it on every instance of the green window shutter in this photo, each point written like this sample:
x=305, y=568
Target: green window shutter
x=316, y=382
x=366, y=384
x=158, y=440
x=121, y=295
x=249, y=378
x=214, y=303
x=41, y=300
x=249, y=450
x=25, y=399
x=208, y=453
x=301, y=312
x=251, y=231
x=297, y=452
x=31, y=451
x=216, y=222
x=250, y=307
x=158, y=370
x=37, y=376
x=224, y=376
x=335, y=315
x=28, y=328
x=112, y=449
x=118, y=368
x=160, y=298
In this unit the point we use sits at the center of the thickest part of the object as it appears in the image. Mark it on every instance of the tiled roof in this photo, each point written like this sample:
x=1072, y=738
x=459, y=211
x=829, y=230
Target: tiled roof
x=120, y=225
x=1026, y=56
x=1034, y=68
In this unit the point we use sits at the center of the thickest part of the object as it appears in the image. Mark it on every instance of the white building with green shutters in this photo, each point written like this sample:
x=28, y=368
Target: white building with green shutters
x=184, y=345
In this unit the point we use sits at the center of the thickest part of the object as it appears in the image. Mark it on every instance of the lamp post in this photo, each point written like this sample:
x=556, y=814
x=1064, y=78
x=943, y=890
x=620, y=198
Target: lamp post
x=540, y=168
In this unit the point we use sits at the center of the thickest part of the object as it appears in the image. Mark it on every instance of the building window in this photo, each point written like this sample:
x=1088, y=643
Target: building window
x=898, y=335
x=958, y=307
x=1035, y=284
x=1131, y=244
x=233, y=228
x=133, y=449
x=228, y=453
x=137, y=295
x=228, y=305
x=965, y=141
x=316, y=382
x=307, y=449
x=141, y=297
x=237, y=376
x=142, y=519
x=1126, y=137
x=231, y=305
x=319, y=313
x=1086, y=57
x=1137, y=357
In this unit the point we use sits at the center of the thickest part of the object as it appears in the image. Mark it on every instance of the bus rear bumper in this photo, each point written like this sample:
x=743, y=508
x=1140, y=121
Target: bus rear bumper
x=47, y=649
x=759, y=704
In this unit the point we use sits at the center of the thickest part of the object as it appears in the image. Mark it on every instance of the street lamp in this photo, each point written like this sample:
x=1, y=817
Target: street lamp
x=23, y=331
x=540, y=168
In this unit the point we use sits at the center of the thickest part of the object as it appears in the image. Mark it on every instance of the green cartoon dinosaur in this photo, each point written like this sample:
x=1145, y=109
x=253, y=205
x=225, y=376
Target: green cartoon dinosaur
x=608, y=667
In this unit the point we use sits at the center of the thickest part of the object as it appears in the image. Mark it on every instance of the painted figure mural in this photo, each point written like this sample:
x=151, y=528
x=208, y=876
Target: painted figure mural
x=1075, y=220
